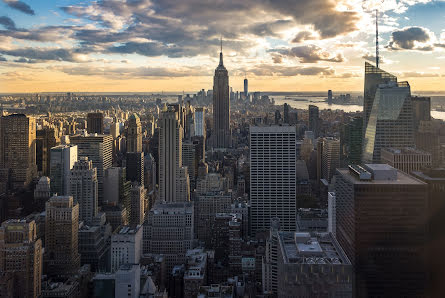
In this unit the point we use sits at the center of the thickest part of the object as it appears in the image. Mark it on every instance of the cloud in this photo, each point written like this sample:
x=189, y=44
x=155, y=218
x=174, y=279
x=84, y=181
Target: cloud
x=20, y=6
x=2, y=59
x=414, y=74
x=289, y=71
x=276, y=58
x=310, y=54
x=302, y=36
x=7, y=23
x=42, y=54
x=270, y=28
x=411, y=38
x=43, y=34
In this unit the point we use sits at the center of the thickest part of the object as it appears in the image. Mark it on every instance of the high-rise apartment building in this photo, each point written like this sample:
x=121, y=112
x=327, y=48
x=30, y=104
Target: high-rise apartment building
x=169, y=231
x=314, y=120
x=330, y=157
x=21, y=256
x=221, y=134
x=98, y=149
x=95, y=123
x=273, y=176
x=406, y=159
x=62, y=256
x=17, y=151
x=381, y=225
x=83, y=189
x=390, y=122
x=63, y=158
x=170, y=155
x=134, y=134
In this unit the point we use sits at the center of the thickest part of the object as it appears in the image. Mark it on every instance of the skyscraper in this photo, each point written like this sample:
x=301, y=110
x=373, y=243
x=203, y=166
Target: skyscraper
x=62, y=256
x=95, y=123
x=221, y=106
x=98, y=149
x=351, y=138
x=381, y=225
x=286, y=113
x=17, y=151
x=134, y=134
x=46, y=138
x=373, y=77
x=246, y=88
x=421, y=110
x=314, y=120
x=83, y=189
x=63, y=158
x=200, y=123
x=138, y=196
x=170, y=154
x=330, y=157
x=135, y=167
x=273, y=176
x=329, y=95
x=390, y=122
x=21, y=255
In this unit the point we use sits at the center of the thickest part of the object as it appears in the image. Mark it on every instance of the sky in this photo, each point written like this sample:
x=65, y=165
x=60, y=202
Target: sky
x=171, y=45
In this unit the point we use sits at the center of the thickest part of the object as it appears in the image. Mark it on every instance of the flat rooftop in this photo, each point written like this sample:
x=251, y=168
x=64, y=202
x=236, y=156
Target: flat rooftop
x=406, y=150
x=307, y=248
x=402, y=178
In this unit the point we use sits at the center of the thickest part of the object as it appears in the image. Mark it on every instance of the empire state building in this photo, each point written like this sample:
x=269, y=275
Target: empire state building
x=221, y=106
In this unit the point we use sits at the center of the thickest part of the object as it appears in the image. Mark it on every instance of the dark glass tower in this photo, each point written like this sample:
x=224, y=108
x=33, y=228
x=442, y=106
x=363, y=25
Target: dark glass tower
x=221, y=106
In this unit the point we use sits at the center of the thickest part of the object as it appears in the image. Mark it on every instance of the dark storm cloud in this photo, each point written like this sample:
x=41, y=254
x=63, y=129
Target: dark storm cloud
x=20, y=6
x=302, y=36
x=41, y=54
x=269, y=29
x=407, y=39
x=7, y=23
x=309, y=54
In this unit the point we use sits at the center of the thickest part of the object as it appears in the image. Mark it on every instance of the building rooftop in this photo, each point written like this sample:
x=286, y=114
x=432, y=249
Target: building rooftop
x=385, y=175
x=307, y=248
x=406, y=150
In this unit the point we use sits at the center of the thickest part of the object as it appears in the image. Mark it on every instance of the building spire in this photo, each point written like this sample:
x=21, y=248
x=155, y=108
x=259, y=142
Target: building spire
x=377, y=38
x=221, y=55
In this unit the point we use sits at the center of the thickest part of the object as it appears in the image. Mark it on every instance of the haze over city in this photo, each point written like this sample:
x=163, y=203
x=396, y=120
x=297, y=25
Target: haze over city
x=146, y=46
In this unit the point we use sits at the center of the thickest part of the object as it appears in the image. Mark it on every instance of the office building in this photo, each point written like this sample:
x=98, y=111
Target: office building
x=189, y=160
x=83, y=189
x=116, y=186
x=169, y=230
x=286, y=113
x=63, y=158
x=183, y=185
x=314, y=120
x=273, y=176
x=94, y=244
x=21, y=258
x=98, y=149
x=170, y=156
x=134, y=134
x=17, y=151
x=95, y=123
x=46, y=139
x=351, y=138
x=126, y=247
x=332, y=223
x=128, y=281
x=390, y=122
x=195, y=274
x=306, y=265
x=200, y=122
x=135, y=167
x=62, y=258
x=138, y=196
x=330, y=157
x=115, y=129
x=246, y=88
x=329, y=95
x=421, y=110
x=406, y=159
x=42, y=192
x=379, y=236
x=221, y=133
x=206, y=206
x=374, y=76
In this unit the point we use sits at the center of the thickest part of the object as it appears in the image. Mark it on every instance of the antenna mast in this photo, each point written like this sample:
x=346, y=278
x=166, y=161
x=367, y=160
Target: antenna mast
x=377, y=38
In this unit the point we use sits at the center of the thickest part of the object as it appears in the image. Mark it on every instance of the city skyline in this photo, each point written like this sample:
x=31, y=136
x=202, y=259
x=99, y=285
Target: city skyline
x=145, y=46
